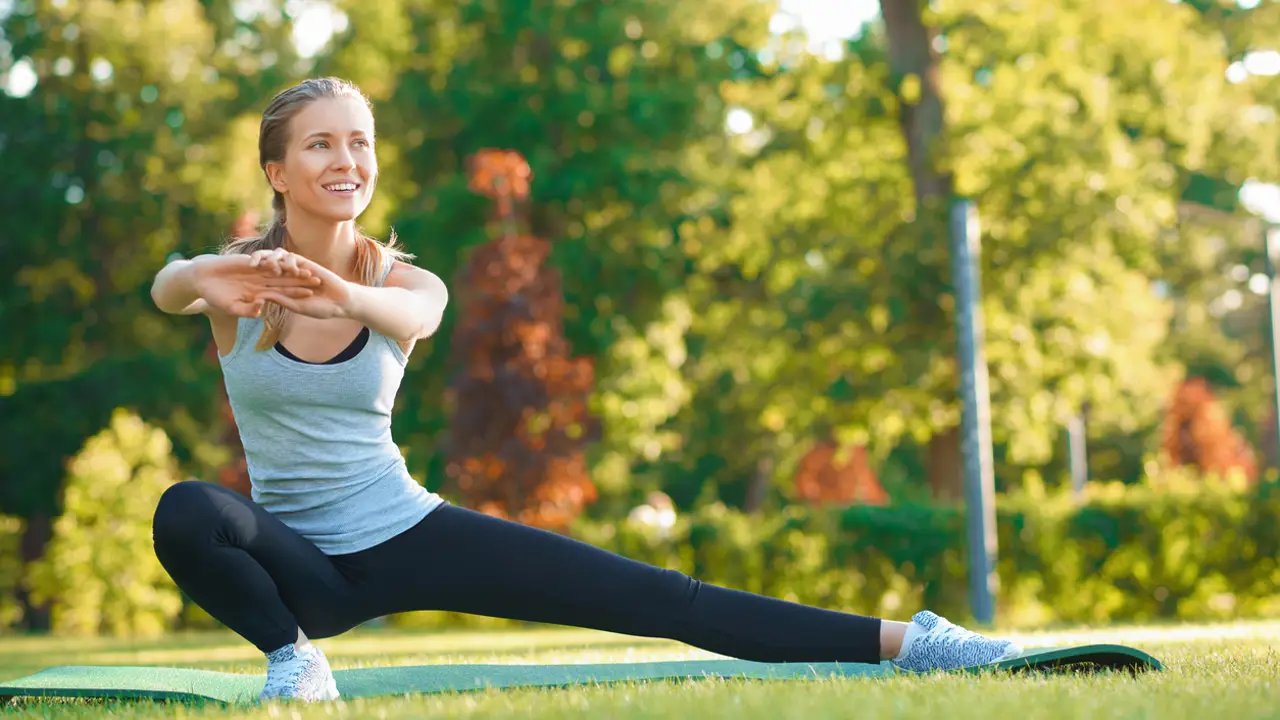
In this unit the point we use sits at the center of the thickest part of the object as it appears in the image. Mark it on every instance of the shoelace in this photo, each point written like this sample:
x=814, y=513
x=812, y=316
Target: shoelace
x=954, y=635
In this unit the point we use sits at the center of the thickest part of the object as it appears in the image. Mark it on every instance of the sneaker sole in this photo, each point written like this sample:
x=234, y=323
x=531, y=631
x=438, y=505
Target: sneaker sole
x=329, y=693
x=1012, y=654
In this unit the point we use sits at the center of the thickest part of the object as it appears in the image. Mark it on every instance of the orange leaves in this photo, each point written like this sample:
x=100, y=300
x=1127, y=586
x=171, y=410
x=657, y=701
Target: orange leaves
x=824, y=479
x=508, y=265
x=246, y=225
x=1197, y=432
x=496, y=172
x=501, y=175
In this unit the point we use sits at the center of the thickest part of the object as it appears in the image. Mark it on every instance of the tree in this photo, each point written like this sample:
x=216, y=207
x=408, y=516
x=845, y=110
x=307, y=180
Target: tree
x=795, y=315
x=1198, y=433
x=916, y=81
x=100, y=573
x=812, y=321
x=520, y=422
x=604, y=100
x=135, y=143
x=1220, y=325
x=1082, y=164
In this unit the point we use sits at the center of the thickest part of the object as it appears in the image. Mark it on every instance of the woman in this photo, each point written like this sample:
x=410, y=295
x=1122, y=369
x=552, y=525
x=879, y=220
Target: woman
x=313, y=323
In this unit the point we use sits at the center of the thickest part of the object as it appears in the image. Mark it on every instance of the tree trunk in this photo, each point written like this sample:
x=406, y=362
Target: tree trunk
x=913, y=62
x=758, y=485
x=35, y=538
x=946, y=466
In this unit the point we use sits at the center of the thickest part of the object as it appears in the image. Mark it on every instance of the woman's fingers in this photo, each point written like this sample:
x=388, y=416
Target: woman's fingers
x=271, y=260
x=240, y=308
x=292, y=292
x=281, y=299
x=257, y=257
x=262, y=277
x=275, y=261
x=279, y=262
x=287, y=281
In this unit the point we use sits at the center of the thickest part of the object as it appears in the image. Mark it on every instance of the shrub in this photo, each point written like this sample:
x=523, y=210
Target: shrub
x=1176, y=550
x=100, y=572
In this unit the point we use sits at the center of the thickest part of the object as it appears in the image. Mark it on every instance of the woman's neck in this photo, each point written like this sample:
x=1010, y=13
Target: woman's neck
x=330, y=244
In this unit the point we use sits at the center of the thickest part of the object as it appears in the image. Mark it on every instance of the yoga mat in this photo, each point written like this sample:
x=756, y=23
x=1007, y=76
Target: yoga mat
x=164, y=683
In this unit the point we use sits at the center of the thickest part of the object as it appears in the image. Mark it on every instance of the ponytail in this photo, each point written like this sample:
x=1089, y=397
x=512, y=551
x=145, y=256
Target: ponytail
x=273, y=236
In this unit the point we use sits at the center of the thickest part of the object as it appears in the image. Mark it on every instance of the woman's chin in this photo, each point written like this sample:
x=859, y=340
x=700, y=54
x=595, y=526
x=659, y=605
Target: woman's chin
x=338, y=214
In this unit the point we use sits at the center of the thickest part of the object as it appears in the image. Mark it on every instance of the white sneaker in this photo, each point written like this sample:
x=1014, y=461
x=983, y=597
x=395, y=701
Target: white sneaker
x=294, y=674
x=934, y=643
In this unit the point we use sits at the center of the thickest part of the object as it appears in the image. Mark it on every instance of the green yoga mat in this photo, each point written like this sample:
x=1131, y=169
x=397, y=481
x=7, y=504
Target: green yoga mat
x=159, y=683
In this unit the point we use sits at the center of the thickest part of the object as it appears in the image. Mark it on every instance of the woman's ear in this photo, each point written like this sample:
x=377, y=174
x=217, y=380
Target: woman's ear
x=275, y=174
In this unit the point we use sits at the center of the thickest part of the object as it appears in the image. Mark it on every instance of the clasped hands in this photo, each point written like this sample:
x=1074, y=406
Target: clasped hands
x=240, y=285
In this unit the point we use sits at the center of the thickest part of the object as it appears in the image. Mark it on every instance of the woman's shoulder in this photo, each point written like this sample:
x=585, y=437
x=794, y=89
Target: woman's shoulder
x=412, y=277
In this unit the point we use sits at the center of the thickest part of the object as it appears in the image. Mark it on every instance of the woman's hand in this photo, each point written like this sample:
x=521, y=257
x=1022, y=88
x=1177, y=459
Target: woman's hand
x=330, y=297
x=237, y=284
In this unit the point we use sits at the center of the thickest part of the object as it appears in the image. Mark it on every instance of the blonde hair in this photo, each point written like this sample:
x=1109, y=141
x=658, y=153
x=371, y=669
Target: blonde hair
x=273, y=139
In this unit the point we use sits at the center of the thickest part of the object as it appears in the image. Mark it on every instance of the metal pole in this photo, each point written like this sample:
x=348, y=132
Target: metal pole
x=979, y=475
x=1271, y=241
x=1079, y=454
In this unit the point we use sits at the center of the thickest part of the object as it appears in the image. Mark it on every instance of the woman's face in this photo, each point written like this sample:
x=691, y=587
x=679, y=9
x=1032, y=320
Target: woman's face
x=329, y=165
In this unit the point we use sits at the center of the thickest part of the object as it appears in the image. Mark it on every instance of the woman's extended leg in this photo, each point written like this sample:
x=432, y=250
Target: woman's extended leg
x=463, y=561
x=258, y=577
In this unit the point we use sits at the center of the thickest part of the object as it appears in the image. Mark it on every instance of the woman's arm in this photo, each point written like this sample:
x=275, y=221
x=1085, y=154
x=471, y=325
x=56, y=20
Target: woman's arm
x=174, y=290
x=409, y=307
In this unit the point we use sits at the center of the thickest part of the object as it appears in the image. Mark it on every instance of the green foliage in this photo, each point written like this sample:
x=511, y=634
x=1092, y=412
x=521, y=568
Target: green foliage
x=818, y=289
x=132, y=146
x=641, y=389
x=803, y=295
x=604, y=99
x=1181, y=548
x=1070, y=208
x=100, y=571
x=739, y=294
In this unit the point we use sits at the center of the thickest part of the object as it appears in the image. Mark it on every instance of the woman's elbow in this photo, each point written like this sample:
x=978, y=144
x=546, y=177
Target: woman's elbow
x=173, y=290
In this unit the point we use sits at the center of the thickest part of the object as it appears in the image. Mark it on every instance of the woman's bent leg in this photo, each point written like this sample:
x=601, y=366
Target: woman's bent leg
x=459, y=560
x=247, y=569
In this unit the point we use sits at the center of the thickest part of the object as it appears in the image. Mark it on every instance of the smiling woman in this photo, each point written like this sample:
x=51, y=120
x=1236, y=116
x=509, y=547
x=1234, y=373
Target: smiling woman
x=316, y=147
x=314, y=322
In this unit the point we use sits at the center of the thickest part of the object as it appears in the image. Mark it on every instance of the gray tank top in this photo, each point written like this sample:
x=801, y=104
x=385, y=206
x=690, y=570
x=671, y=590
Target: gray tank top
x=318, y=443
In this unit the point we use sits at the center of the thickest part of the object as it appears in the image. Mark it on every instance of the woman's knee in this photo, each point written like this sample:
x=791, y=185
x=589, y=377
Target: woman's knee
x=321, y=623
x=185, y=510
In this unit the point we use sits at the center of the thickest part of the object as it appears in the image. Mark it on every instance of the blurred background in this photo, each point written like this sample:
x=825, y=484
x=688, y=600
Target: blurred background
x=717, y=330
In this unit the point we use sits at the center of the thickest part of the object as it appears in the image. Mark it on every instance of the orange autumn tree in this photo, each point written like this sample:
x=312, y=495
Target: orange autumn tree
x=520, y=422
x=1198, y=433
x=825, y=478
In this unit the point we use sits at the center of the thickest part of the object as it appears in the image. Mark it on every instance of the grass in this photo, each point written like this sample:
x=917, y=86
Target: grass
x=1228, y=671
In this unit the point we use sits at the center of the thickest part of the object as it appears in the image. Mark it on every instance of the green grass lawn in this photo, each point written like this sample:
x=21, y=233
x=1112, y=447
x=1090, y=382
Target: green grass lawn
x=1224, y=671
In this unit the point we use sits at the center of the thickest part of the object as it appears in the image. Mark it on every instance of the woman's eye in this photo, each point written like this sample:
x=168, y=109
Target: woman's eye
x=318, y=143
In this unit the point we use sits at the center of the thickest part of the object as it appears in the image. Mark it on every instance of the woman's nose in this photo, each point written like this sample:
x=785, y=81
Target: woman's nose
x=343, y=159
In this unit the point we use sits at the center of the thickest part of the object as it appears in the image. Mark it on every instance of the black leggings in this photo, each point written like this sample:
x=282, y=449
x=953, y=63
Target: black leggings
x=261, y=579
